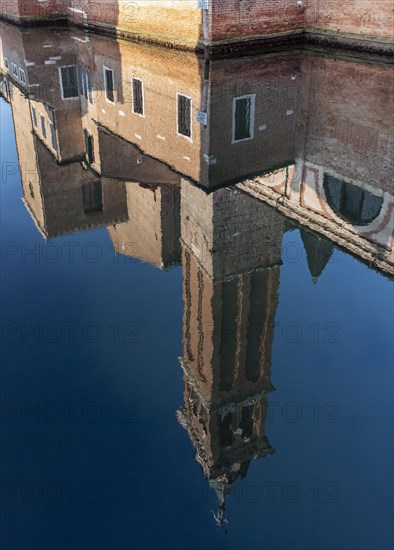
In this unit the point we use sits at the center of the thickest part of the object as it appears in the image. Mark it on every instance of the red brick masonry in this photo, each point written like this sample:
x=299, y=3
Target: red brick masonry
x=226, y=25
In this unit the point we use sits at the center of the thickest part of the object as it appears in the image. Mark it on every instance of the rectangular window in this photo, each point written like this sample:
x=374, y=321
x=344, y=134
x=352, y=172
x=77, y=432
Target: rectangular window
x=82, y=82
x=109, y=84
x=88, y=146
x=6, y=63
x=69, y=82
x=14, y=69
x=243, y=118
x=85, y=84
x=34, y=115
x=138, y=96
x=53, y=136
x=89, y=86
x=184, y=109
x=43, y=127
x=92, y=197
x=22, y=76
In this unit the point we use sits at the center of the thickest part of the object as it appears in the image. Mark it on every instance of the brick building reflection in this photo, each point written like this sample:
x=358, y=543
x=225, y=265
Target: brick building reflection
x=152, y=230
x=231, y=256
x=61, y=196
x=76, y=173
x=279, y=126
x=125, y=136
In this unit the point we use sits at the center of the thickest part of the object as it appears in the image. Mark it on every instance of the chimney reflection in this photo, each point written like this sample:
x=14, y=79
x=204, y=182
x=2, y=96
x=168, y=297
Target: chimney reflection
x=152, y=230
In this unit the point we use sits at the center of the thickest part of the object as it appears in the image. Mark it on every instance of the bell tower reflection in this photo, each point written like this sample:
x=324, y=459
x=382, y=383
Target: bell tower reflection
x=230, y=289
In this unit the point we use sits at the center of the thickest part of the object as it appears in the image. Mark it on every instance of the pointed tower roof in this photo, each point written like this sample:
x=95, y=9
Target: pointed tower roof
x=318, y=252
x=222, y=490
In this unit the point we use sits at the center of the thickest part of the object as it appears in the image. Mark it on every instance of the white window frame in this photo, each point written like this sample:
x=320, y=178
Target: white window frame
x=83, y=83
x=86, y=92
x=190, y=139
x=89, y=87
x=252, y=116
x=22, y=72
x=143, y=96
x=14, y=69
x=85, y=79
x=61, y=83
x=105, y=84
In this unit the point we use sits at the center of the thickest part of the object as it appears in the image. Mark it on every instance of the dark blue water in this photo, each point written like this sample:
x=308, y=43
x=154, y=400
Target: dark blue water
x=92, y=454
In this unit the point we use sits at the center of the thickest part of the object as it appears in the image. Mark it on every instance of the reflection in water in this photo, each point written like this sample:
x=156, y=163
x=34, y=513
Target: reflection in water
x=119, y=135
x=231, y=262
x=318, y=252
x=282, y=127
x=354, y=204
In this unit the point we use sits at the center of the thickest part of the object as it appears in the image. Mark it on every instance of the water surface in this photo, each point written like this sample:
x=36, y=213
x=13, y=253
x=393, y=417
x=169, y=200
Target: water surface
x=196, y=329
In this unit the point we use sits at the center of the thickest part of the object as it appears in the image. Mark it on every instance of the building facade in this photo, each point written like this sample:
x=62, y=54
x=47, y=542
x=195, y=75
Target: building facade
x=222, y=25
x=277, y=126
x=192, y=161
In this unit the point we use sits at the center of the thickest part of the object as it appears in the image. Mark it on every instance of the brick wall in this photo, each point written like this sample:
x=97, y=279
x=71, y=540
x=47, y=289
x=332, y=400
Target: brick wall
x=40, y=53
x=176, y=21
x=53, y=192
x=33, y=10
x=182, y=23
x=245, y=19
x=152, y=230
x=229, y=232
x=374, y=19
x=28, y=165
x=228, y=330
x=344, y=132
x=346, y=119
x=164, y=73
x=274, y=83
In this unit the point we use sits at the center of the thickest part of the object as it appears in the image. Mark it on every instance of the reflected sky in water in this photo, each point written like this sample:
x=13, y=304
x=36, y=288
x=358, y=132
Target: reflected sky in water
x=196, y=297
